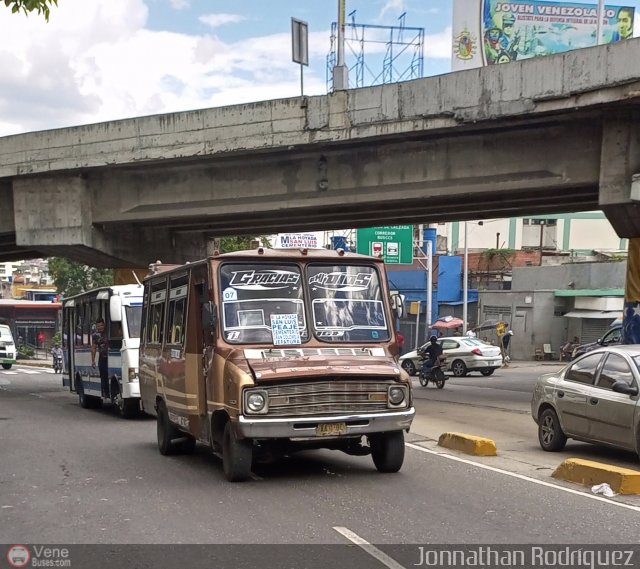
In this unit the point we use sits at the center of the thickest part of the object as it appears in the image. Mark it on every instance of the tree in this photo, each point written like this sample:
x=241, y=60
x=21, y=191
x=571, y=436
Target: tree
x=231, y=244
x=73, y=278
x=40, y=6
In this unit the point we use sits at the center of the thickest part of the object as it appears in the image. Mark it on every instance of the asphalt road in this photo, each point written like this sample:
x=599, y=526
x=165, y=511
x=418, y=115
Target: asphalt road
x=69, y=475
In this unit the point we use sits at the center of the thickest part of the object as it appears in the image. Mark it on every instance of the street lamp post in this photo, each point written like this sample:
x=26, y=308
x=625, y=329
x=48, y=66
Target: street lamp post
x=465, y=283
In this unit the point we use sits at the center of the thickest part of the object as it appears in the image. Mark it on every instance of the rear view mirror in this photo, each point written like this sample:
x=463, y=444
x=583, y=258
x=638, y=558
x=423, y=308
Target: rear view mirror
x=624, y=387
x=397, y=303
x=115, y=309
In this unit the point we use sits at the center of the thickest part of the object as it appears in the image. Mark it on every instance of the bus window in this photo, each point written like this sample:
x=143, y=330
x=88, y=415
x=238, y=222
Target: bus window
x=155, y=328
x=176, y=313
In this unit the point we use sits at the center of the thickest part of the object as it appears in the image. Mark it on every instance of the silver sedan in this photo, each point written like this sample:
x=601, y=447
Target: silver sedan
x=593, y=399
x=463, y=356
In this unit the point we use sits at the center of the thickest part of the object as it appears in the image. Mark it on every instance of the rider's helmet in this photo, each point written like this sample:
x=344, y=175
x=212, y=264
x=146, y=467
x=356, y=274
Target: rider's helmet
x=433, y=339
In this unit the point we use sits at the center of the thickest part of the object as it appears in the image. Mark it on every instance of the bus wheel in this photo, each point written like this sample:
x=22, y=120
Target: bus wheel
x=7, y=366
x=236, y=456
x=387, y=450
x=166, y=431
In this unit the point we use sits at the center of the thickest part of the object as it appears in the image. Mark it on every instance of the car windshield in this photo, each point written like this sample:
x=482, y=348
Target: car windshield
x=347, y=305
x=5, y=333
x=262, y=304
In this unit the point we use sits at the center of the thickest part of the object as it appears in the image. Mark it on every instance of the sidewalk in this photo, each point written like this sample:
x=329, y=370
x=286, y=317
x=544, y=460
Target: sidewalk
x=35, y=362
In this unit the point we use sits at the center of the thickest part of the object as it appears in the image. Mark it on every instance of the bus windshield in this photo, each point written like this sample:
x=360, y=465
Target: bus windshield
x=262, y=304
x=134, y=319
x=347, y=303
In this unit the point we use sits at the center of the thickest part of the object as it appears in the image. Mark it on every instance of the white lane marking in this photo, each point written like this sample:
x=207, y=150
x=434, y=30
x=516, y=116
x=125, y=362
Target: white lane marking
x=523, y=477
x=370, y=549
x=28, y=371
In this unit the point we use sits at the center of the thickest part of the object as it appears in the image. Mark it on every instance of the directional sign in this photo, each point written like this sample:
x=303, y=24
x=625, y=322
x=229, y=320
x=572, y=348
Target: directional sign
x=394, y=243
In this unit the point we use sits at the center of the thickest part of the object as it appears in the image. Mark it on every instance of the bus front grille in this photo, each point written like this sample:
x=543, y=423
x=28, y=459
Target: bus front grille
x=327, y=398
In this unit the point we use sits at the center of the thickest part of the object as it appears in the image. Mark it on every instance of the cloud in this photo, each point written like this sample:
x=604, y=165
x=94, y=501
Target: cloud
x=217, y=20
x=180, y=4
x=394, y=7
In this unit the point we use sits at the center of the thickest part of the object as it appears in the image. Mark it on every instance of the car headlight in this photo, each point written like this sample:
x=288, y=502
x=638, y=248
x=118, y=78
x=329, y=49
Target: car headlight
x=256, y=402
x=396, y=395
x=133, y=374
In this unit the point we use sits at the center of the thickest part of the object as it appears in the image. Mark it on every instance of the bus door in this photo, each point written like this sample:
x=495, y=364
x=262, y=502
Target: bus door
x=68, y=338
x=198, y=357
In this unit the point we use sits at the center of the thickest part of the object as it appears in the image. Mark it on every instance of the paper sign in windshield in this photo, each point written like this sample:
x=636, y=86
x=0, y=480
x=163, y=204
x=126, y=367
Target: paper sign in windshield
x=285, y=331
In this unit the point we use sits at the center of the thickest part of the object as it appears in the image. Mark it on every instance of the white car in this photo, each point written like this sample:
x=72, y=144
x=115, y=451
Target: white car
x=7, y=347
x=463, y=355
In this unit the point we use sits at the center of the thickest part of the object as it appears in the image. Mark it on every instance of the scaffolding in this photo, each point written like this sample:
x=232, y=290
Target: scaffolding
x=401, y=59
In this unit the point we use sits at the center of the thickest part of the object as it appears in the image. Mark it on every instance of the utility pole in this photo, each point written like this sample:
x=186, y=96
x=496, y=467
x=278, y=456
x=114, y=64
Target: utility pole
x=341, y=71
x=465, y=283
x=601, y=15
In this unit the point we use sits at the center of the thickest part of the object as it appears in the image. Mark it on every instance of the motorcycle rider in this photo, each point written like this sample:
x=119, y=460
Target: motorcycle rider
x=56, y=352
x=431, y=355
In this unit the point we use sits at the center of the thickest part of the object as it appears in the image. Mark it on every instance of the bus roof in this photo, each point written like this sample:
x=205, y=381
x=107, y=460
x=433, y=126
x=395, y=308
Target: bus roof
x=113, y=289
x=262, y=253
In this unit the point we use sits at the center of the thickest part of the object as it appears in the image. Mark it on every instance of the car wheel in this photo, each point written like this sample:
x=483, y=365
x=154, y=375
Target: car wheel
x=7, y=366
x=487, y=372
x=409, y=367
x=459, y=368
x=550, y=434
x=237, y=455
x=387, y=450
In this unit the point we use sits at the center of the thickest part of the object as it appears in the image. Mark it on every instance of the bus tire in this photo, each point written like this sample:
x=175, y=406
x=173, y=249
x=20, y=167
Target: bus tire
x=130, y=408
x=237, y=456
x=387, y=450
x=166, y=431
x=187, y=445
x=7, y=366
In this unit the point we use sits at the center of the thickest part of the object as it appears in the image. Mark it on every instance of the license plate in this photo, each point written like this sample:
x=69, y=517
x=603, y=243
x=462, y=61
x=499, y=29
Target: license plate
x=331, y=429
x=495, y=363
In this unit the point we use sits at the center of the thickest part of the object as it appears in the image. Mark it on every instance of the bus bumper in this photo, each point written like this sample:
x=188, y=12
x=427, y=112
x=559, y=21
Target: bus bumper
x=310, y=427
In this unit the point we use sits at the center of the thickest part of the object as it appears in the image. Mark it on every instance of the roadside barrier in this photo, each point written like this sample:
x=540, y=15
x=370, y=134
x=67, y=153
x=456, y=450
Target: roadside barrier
x=470, y=444
x=588, y=472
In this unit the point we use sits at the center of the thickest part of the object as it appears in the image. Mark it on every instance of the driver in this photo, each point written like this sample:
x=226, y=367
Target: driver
x=431, y=355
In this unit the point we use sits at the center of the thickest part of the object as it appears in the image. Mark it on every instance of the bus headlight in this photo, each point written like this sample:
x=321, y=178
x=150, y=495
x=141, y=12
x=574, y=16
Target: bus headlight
x=256, y=402
x=397, y=395
x=133, y=374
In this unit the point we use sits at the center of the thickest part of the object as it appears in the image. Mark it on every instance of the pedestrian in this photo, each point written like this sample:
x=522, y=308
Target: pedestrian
x=504, y=347
x=41, y=339
x=400, y=339
x=100, y=347
x=471, y=334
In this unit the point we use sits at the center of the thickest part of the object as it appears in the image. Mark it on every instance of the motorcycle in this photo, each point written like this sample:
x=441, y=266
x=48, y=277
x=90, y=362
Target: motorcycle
x=435, y=374
x=57, y=363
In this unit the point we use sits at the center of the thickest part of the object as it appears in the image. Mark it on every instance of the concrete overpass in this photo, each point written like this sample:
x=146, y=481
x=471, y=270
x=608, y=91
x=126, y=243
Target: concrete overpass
x=550, y=135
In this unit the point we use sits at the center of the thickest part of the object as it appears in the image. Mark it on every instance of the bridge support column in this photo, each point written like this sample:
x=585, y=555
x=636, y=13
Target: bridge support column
x=52, y=211
x=619, y=162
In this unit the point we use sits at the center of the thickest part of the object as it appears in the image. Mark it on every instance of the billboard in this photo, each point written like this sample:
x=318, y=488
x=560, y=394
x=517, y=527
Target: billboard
x=488, y=32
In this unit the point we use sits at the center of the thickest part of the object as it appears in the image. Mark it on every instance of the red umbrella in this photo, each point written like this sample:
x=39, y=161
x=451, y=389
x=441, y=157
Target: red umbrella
x=449, y=323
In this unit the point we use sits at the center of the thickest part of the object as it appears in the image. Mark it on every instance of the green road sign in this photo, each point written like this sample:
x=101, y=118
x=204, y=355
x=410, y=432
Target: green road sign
x=394, y=242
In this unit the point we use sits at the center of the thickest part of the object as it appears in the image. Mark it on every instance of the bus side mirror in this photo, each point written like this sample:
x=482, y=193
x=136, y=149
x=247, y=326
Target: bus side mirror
x=397, y=303
x=115, y=309
x=209, y=317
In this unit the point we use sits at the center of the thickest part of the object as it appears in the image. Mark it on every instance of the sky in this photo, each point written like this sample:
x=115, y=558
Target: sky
x=99, y=60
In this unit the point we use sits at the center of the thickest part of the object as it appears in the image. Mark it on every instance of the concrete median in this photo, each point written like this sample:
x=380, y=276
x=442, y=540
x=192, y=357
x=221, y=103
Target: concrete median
x=589, y=473
x=470, y=444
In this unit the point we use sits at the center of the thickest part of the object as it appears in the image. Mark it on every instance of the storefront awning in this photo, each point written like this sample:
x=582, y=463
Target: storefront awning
x=608, y=315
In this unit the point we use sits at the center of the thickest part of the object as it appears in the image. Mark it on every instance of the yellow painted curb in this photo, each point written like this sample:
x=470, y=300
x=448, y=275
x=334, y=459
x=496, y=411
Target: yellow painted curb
x=477, y=446
x=589, y=473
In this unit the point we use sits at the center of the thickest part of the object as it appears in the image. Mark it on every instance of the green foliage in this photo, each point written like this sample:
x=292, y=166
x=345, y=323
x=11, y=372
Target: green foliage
x=503, y=254
x=26, y=352
x=73, y=278
x=57, y=339
x=40, y=6
x=231, y=244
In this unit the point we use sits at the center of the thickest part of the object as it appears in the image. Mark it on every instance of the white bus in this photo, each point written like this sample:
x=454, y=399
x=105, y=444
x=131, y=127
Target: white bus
x=121, y=308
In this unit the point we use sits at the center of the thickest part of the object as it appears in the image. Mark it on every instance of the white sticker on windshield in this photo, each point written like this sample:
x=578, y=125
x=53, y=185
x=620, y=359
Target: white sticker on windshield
x=229, y=294
x=284, y=329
